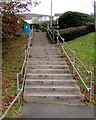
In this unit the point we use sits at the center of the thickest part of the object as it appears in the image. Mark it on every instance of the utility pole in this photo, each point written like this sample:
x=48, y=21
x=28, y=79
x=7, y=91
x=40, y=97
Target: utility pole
x=51, y=16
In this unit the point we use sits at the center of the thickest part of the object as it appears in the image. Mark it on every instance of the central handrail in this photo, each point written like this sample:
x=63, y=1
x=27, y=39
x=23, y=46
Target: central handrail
x=72, y=61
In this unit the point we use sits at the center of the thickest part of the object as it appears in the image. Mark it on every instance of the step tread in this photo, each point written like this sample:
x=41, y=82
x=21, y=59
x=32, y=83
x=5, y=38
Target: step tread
x=52, y=86
x=49, y=80
x=49, y=65
x=48, y=69
x=38, y=60
x=52, y=94
x=49, y=74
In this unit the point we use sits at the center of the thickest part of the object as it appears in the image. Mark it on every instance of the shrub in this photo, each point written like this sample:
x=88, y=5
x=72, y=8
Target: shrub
x=74, y=19
x=74, y=32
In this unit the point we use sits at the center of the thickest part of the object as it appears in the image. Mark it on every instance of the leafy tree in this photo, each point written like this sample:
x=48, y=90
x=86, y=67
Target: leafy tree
x=12, y=22
x=74, y=19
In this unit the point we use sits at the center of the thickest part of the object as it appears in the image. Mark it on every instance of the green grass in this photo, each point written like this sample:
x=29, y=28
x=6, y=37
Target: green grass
x=12, y=60
x=84, y=50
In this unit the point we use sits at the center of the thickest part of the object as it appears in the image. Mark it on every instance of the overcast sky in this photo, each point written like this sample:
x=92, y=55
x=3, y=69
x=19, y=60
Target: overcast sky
x=61, y=6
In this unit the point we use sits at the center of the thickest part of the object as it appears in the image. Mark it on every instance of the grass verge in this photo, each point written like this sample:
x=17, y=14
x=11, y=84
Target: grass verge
x=84, y=48
x=12, y=60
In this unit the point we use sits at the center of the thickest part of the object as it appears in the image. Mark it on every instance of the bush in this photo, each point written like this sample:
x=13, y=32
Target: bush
x=74, y=19
x=37, y=26
x=74, y=32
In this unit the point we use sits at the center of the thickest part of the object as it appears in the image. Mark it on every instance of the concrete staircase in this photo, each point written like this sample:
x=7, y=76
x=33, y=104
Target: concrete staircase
x=49, y=79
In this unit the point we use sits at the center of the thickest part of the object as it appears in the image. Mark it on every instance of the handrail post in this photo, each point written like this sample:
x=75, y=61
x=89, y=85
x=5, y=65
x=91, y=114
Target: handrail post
x=90, y=86
x=57, y=37
x=18, y=89
x=53, y=37
x=74, y=59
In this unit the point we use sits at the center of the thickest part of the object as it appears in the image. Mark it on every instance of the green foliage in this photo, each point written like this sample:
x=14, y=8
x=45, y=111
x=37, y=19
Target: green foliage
x=38, y=26
x=12, y=24
x=74, y=32
x=74, y=19
x=24, y=22
x=45, y=23
x=85, y=48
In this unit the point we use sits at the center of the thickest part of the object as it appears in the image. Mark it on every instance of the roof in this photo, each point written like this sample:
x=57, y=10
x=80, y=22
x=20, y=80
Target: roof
x=58, y=14
x=28, y=16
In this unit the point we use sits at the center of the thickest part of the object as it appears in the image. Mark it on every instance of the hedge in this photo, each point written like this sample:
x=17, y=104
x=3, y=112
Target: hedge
x=74, y=32
x=74, y=19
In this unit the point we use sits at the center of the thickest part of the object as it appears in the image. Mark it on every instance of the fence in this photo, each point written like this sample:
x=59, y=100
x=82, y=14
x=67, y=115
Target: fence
x=22, y=72
x=73, y=59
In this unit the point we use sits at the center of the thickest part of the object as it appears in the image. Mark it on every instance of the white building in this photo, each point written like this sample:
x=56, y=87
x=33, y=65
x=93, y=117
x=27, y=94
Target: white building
x=35, y=18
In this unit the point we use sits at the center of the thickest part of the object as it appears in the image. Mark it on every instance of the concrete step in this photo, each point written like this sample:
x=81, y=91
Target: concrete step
x=46, y=59
x=52, y=88
x=38, y=49
x=49, y=50
x=46, y=62
x=33, y=82
x=55, y=97
x=48, y=76
x=45, y=56
x=44, y=48
x=47, y=47
x=44, y=51
x=47, y=67
x=48, y=71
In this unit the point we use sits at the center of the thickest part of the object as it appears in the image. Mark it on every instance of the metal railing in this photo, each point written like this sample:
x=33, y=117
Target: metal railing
x=50, y=33
x=72, y=61
x=22, y=72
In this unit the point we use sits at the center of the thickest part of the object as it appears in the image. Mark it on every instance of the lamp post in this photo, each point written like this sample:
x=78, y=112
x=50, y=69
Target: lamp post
x=51, y=16
x=95, y=14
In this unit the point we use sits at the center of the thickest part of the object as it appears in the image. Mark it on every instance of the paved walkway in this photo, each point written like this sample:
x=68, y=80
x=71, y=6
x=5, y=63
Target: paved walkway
x=36, y=110
x=52, y=110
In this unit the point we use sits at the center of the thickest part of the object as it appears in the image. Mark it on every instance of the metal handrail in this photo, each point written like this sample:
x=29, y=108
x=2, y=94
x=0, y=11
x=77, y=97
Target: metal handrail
x=73, y=62
x=22, y=72
x=24, y=64
x=73, y=53
x=52, y=33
